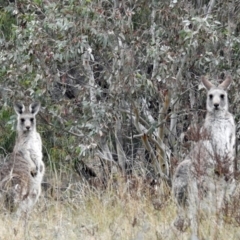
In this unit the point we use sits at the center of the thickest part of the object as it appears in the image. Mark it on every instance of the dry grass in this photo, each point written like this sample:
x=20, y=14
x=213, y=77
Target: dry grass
x=82, y=213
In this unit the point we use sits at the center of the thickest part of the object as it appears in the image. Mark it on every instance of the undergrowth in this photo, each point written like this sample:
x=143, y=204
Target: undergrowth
x=77, y=211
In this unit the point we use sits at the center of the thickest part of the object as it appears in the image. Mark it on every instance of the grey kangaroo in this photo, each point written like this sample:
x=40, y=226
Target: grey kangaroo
x=21, y=176
x=206, y=177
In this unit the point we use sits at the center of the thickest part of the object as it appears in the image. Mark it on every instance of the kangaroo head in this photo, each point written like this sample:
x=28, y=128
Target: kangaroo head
x=217, y=99
x=26, y=121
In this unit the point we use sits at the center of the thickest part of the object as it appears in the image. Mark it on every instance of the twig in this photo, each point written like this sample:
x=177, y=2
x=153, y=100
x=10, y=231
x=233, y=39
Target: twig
x=211, y=5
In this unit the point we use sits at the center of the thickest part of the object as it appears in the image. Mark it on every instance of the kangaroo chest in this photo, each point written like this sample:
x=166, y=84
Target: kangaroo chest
x=31, y=143
x=221, y=135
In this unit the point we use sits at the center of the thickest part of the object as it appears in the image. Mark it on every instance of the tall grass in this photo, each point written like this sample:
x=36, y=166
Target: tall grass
x=81, y=212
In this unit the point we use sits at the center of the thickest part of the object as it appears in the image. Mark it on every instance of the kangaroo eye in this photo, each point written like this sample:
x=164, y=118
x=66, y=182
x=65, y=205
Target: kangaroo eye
x=22, y=120
x=31, y=119
x=210, y=96
x=222, y=96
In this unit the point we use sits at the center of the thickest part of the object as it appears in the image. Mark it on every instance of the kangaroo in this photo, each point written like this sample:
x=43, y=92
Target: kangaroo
x=206, y=177
x=30, y=144
x=28, y=139
x=21, y=176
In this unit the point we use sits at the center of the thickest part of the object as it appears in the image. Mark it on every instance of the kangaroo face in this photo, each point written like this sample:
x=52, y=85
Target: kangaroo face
x=26, y=121
x=217, y=100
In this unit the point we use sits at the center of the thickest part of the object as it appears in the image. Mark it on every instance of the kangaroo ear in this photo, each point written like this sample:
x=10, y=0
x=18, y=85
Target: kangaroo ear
x=206, y=83
x=19, y=108
x=34, y=107
x=226, y=83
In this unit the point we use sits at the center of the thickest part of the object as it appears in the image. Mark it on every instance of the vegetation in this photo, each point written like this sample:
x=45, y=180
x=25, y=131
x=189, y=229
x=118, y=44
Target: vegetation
x=119, y=86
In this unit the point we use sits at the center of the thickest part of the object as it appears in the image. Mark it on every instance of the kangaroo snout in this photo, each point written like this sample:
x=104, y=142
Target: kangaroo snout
x=216, y=106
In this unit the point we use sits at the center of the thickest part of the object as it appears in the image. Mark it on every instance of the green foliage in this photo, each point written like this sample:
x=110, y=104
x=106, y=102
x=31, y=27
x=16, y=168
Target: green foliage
x=7, y=137
x=92, y=63
x=7, y=20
